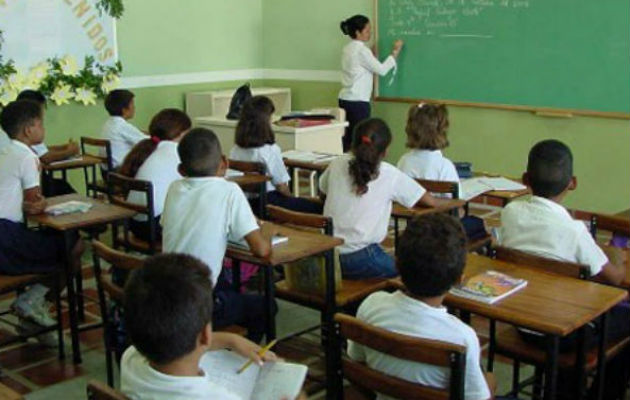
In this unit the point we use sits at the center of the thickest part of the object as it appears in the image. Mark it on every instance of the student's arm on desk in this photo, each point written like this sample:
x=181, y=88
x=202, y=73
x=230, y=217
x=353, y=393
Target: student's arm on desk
x=427, y=200
x=34, y=202
x=613, y=272
x=259, y=241
x=60, y=152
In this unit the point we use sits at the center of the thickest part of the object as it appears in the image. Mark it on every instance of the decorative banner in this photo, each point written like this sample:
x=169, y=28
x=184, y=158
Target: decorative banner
x=35, y=30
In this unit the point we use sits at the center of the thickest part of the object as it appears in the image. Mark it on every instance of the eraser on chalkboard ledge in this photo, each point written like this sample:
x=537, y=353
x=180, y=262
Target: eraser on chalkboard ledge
x=553, y=114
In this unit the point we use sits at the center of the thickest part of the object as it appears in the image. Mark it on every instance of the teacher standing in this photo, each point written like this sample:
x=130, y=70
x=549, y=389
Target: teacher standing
x=358, y=64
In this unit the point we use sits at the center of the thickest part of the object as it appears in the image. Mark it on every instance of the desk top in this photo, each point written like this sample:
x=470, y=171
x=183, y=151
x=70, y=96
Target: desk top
x=100, y=213
x=503, y=194
x=80, y=162
x=222, y=121
x=301, y=244
x=308, y=165
x=404, y=212
x=249, y=179
x=549, y=303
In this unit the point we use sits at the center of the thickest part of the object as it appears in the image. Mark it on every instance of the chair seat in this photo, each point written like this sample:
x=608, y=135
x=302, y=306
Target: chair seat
x=138, y=244
x=510, y=343
x=9, y=283
x=351, y=291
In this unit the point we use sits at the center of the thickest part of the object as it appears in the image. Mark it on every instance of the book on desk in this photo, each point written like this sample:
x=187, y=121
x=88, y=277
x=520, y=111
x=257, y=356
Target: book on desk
x=474, y=187
x=488, y=287
x=242, y=244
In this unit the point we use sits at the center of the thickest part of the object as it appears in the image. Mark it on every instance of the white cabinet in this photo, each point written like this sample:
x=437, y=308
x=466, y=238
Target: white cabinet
x=217, y=102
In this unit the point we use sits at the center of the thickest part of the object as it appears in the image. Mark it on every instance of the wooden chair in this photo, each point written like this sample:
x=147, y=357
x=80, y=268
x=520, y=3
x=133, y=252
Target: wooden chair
x=99, y=391
x=257, y=168
x=610, y=223
x=118, y=187
x=509, y=342
x=101, y=149
x=6, y=393
x=433, y=352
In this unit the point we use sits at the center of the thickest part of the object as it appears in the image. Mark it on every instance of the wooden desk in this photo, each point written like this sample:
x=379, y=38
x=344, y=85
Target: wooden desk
x=301, y=244
x=321, y=138
x=551, y=304
x=82, y=162
x=294, y=165
x=100, y=213
x=399, y=211
x=624, y=214
x=505, y=196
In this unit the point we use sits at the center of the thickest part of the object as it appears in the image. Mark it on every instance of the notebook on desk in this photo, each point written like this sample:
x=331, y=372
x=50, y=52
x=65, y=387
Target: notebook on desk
x=474, y=187
x=275, y=240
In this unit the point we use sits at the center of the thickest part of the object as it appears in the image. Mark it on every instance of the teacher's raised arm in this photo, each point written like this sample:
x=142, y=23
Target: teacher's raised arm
x=358, y=64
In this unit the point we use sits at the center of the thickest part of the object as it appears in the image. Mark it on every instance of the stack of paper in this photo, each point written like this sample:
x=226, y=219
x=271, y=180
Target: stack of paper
x=68, y=207
x=308, y=156
x=474, y=187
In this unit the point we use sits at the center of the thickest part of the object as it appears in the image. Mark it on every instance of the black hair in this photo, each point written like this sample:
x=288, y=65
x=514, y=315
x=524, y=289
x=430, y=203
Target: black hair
x=117, y=100
x=200, y=153
x=369, y=142
x=431, y=254
x=32, y=95
x=353, y=24
x=18, y=115
x=549, y=168
x=167, y=304
x=254, y=126
x=167, y=124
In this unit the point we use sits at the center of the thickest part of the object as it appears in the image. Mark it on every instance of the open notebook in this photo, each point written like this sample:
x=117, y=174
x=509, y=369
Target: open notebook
x=275, y=240
x=474, y=187
x=272, y=381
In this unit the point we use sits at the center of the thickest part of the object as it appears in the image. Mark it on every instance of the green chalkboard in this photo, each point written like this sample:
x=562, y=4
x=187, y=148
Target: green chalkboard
x=559, y=54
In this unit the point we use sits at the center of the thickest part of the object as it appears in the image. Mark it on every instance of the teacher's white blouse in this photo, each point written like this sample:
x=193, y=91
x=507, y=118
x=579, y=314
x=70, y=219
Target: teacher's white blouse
x=358, y=65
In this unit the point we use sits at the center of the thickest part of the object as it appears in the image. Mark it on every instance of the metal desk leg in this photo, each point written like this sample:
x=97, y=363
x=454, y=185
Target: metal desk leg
x=580, y=372
x=551, y=367
x=329, y=334
x=72, y=306
x=492, y=345
x=270, y=318
x=601, y=356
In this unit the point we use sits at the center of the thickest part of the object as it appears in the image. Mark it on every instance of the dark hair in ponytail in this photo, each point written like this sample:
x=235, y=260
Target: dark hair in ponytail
x=371, y=139
x=353, y=24
x=254, y=126
x=167, y=124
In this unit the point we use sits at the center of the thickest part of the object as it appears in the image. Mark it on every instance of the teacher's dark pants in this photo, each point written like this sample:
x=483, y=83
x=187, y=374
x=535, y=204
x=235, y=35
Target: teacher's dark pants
x=356, y=111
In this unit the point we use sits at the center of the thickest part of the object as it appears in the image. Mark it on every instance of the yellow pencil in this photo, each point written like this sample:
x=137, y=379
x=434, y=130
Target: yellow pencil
x=261, y=353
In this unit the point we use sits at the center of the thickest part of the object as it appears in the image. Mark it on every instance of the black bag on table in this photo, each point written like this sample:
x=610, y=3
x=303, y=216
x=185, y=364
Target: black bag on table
x=239, y=98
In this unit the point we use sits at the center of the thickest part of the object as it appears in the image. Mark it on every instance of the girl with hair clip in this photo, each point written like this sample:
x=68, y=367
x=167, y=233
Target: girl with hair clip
x=426, y=137
x=155, y=160
x=255, y=141
x=360, y=188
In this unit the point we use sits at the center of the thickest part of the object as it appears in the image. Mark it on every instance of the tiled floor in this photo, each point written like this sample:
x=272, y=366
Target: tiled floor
x=38, y=373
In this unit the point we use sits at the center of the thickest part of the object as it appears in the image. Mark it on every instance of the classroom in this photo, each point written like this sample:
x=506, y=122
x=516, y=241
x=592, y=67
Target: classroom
x=327, y=248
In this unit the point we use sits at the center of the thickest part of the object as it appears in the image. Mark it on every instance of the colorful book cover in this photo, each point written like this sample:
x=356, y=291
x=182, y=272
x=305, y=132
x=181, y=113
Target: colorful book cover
x=489, y=287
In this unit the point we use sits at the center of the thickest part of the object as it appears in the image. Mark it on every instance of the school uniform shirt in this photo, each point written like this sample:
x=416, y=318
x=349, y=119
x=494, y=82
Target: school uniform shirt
x=40, y=149
x=542, y=227
x=358, y=66
x=19, y=171
x=271, y=156
x=397, y=312
x=429, y=165
x=139, y=381
x=160, y=168
x=122, y=136
x=361, y=220
x=201, y=214
x=4, y=139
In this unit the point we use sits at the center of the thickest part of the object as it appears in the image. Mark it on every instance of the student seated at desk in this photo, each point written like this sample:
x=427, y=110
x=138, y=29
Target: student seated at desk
x=255, y=141
x=430, y=257
x=122, y=135
x=156, y=160
x=24, y=251
x=48, y=154
x=168, y=314
x=360, y=188
x=426, y=138
x=542, y=226
x=201, y=212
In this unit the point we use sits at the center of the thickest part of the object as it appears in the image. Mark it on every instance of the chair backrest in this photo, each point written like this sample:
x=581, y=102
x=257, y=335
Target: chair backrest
x=610, y=223
x=440, y=187
x=99, y=391
x=102, y=150
x=287, y=217
x=117, y=259
x=247, y=167
x=432, y=352
x=564, y=268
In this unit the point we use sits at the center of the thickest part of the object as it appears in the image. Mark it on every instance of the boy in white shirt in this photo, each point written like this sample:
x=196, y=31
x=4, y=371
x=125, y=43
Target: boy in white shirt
x=201, y=213
x=168, y=313
x=430, y=257
x=24, y=251
x=121, y=134
x=542, y=226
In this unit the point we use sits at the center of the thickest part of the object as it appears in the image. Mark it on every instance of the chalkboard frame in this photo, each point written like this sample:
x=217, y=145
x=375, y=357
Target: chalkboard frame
x=540, y=111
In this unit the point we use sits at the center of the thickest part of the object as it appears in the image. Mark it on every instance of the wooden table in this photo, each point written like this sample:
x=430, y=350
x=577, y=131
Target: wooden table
x=294, y=165
x=505, y=196
x=100, y=213
x=83, y=161
x=550, y=304
x=624, y=214
x=301, y=244
x=254, y=181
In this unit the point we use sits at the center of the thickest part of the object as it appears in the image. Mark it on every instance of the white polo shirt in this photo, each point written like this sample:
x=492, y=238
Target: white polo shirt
x=402, y=314
x=122, y=136
x=363, y=220
x=19, y=171
x=545, y=228
x=4, y=138
x=430, y=165
x=40, y=149
x=271, y=156
x=160, y=168
x=358, y=66
x=139, y=381
x=201, y=214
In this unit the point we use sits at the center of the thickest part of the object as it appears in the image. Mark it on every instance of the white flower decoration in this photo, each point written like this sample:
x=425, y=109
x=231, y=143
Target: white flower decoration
x=62, y=94
x=69, y=66
x=110, y=82
x=16, y=80
x=37, y=74
x=7, y=94
x=85, y=96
